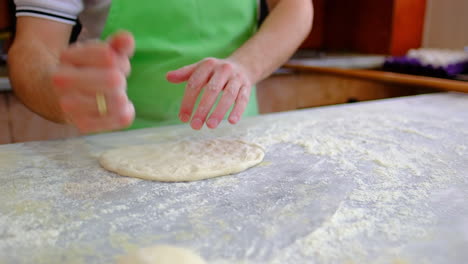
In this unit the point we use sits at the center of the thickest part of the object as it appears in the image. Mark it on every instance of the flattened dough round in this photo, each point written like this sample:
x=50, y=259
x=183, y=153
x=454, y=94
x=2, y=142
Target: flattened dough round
x=161, y=254
x=183, y=160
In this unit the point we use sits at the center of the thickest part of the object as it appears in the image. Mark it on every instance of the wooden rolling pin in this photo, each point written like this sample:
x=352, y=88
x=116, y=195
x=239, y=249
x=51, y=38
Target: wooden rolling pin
x=389, y=77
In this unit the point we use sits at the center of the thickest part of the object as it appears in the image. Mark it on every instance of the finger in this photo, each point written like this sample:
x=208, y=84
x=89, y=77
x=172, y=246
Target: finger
x=211, y=92
x=227, y=100
x=87, y=106
x=124, y=65
x=123, y=43
x=96, y=54
x=182, y=74
x=198, y=79
x=118, y=120
x=241, y=103
x=87, y=81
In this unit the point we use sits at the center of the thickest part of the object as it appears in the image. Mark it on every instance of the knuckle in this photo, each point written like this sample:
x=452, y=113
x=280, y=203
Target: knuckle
x=230, y=91
x=192, y=87
x=244, y=97
x=58, y=84
x=242, y=77
x=192, y=83
x=121, y=100
x=227, y=67
x=202, y=110
x=210, y=61
x=213, y=87
x=126, y=66
x=105, y=53
x=198, y=116
x=115, y=79
x=216, y=116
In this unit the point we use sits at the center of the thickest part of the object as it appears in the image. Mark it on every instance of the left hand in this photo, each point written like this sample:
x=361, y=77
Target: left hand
x=213, y=75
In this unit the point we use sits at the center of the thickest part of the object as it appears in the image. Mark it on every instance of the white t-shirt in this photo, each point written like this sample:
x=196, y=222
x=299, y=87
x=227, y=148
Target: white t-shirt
x=92, y=13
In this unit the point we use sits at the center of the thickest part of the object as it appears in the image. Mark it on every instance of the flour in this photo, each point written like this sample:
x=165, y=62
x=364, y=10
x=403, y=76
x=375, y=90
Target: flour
x=386, y=205
x=96, y=188
x=461, y=150
x=339, y=185
x=9, y=158
x=392, y=209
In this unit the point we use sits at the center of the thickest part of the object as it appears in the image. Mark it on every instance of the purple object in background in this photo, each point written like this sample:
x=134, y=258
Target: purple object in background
x=408, y=65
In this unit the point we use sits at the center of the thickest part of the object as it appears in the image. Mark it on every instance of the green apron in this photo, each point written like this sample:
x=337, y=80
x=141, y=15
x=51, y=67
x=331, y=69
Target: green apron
x=170, y=34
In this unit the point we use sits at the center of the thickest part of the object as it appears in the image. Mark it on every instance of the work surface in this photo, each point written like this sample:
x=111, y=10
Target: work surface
x=377, y=182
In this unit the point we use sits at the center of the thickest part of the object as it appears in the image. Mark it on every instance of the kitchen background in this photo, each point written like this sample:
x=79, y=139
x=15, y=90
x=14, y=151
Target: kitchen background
x=352, y=44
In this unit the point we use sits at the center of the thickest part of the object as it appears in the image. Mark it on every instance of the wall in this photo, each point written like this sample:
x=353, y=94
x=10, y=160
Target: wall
x=446, y=24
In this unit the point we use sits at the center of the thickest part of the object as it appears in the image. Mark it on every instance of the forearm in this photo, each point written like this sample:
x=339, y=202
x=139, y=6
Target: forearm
x=277, y=39
x=30, y=69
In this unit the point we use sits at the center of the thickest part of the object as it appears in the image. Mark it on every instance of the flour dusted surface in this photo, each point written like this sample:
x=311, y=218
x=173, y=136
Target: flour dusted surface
x=381, y=182
x=186, y=160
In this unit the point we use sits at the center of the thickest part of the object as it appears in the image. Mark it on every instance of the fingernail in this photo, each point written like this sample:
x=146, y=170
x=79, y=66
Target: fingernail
x=197, y=123
x=212, y=123
x=184, y=118
x=234, y=119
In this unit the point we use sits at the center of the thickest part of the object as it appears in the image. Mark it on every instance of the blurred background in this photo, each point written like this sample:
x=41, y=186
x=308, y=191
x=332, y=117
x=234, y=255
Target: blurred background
x=358, y=50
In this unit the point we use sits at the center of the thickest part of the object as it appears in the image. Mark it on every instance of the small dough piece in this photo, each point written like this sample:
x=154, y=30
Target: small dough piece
x=161, y=254
x=183, y=160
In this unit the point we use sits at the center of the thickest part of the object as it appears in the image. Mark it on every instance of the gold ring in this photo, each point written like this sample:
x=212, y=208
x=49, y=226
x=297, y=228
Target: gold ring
x=101, y=104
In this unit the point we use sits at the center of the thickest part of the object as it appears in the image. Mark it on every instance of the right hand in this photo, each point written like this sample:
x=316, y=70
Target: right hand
x=90, y=68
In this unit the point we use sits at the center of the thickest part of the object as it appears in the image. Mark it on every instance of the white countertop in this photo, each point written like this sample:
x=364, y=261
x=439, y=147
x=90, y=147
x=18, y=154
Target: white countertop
x=375, y=182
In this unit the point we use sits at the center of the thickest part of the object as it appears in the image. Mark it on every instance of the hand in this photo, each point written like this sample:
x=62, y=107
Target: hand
x=91, y=68
x=212, y=75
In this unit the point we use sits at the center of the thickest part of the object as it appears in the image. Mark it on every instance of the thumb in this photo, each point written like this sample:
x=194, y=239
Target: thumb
x=123, y=43
x=182, y=74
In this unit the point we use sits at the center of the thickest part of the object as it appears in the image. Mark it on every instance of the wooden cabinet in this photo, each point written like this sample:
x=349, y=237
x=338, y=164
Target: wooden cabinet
x=367, y=26
x=298, y=90
x=19, y=124
x=5, y=15
x=6, y=25
x=5, y=135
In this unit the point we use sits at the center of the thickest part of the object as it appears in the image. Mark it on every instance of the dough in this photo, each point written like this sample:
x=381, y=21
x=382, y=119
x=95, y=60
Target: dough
x=161, y=254
x=183, y=160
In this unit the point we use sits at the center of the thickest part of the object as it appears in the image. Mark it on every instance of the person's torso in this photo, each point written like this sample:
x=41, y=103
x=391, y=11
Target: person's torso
x=169, y=34
x=94, y=16
x=172, y=34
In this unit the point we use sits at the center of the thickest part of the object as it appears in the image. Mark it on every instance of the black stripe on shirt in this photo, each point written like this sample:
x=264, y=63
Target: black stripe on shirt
x=31, y=11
